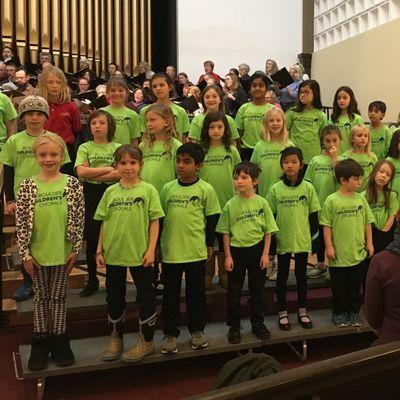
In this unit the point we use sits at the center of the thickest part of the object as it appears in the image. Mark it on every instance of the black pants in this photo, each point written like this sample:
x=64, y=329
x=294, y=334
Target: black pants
x=195, y=294
x=246, y=259
x=346, y=284
x=116, y=290
x=300, y=270
x=69, y=167
x=246, y=153
x=321, y=245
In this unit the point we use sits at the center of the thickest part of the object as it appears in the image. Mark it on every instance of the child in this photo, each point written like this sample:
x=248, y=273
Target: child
x=250, y=115
x=320, y=174
x=380, y=133
x=191, y=212
x=360, y=144
x=219, y=162
x=394, y=158
x=49, y=250
x=162, y=87
x=246, y=223
x=159, y=146
x=212, y=100
x=345, y=115
x=346, y=218
x=306, y=120
x=94, y=164
x=129, y=211
x=295, y=204
x=127, y=121
x=64, y=116
x=20, y=163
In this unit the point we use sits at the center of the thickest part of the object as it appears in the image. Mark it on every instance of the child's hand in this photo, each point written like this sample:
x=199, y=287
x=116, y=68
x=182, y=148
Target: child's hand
x=370, y=249
x=228, y=263
x=100, y=261
x=264, y=261
x=71, y=261
x=210, y=252
x=11, y=206
x=30, y=266
x=330, y=253
x=148, y=259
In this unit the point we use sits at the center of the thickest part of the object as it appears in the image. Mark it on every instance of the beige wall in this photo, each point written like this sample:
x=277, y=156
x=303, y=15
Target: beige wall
x=369, y=63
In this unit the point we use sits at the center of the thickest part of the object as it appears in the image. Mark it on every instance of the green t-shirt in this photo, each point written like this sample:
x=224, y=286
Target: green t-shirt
x=159, y=163
x=291, y=206
x=249, y=119
x=347, y=216
x=97, y=155
x=183, y=236
x=17, y=153
x=197, y=124
x=367, y=161
x=49, y=245
x=7, y=113
x=396, y=178
x=126, y=215
x=246, y=220
x=217, y=170
x=182, y=124
x=380, y=213
x=304, y=128
x=380, y=140
x=345, y=124
x=127, y=122
x=267, y=156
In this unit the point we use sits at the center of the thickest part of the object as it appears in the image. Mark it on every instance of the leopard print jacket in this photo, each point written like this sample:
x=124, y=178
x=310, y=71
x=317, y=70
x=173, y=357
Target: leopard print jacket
x=26, y=206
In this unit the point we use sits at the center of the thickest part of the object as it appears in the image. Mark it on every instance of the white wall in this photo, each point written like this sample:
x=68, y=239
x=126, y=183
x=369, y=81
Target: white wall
x=230, y=32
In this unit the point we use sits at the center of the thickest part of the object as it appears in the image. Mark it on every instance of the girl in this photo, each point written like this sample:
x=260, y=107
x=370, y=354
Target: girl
x=162, y=87
x=250, y=115
x=94, y=164
x=345, y=115
x=64, y=116
x=394, y=158
x=212, y=99
x=124, y=205
x=219, y=163
x=49, y=250
x=320, y=173
x=234, y=95
x=159, y=146
x=306, y=120
x=127, y=129
x=360, y=144
x=295, y=204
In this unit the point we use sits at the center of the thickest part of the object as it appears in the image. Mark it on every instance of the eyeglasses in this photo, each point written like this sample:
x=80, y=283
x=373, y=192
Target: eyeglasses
x=305, y=92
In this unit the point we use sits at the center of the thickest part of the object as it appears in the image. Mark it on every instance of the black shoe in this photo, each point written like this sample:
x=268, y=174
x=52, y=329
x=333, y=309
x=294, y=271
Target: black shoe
x=234, y=336
x=261, y=331
x=284, y=327
x=90, y=288
x=61, y=352
x=304, y=324
x=39, y=352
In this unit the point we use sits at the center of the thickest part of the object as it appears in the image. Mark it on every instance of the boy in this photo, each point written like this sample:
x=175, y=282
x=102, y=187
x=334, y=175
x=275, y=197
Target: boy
x=191, y=210
x=346, y=218
x=380, y=133
x=246, y=223
x=127, y=121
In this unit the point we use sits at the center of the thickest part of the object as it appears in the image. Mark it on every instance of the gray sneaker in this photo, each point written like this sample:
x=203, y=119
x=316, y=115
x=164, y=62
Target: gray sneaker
x=340, y=320
x=198, y=340
x=354, y=319
x=316, y=272
x=169, y=346
x=272, y=270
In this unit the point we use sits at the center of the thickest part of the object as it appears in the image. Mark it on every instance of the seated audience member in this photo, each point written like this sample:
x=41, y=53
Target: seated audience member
x=209, y=70
x=234, y=95
x=7, y=54
x=289, y=94
x=83, y=85
x=183, y=81
x=139, y=99
x=271, y=67
x=3, y=73
x=145, y=68
x=244, y=77
x=11, y=69
x=45, y=57
x=112, y=68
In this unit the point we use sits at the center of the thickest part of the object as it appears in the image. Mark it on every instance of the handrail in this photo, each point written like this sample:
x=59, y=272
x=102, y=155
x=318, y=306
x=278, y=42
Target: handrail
x=312, y=378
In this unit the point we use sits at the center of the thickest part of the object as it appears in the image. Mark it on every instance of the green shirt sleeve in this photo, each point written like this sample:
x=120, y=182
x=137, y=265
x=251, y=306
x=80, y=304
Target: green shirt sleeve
x=211, y=205
x=309, y=175
x=81, y=155
x=271, y=198
x=7, y=153
x=314, y=202
x=155, y=209
x=239, y=117
x=289, y=119
x=233, y=127
x=326, y=214
x=195, y=129
x=101, y=210
x=223, y=222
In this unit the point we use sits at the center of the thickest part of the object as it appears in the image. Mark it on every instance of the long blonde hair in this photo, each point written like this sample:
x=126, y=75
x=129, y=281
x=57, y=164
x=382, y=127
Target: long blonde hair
x=265, y=134
x=65, y=95
x=354, y=131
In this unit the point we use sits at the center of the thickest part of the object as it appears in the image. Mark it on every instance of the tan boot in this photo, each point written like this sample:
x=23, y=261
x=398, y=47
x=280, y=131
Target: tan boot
x=222, y=274
x=114, y=348
x=139, y=351
x=210, y=272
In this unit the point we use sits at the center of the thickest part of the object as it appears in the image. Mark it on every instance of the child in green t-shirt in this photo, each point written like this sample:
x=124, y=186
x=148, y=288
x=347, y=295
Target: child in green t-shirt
x=219, y=162
x=130, y=211
x=246, y=223
x=94, y=164
x=49, y=221
x=380, y=133
x=346, y=218
x=191, y=213
x=394, y=158
x=295, y=205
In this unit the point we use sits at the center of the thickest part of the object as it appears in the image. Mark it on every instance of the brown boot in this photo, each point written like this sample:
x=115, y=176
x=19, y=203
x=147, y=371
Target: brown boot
x=222, y=274
x=139, y=351
x=210, y=272
x=114, y=348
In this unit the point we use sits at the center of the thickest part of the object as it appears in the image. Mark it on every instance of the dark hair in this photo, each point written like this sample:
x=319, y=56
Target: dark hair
x=291, y=151
x=132, y=150
x=393, y=150
x=371, y=192
x=210, y=63
x=194, y=150
x=167, y=79
x=234, y=71
x=113, y=63
x=220, y=95
x=259, y=75
x=117, y=81
x=314, y=86
x=247, y=168
x=19, y=69
x=214, y=116
x=145, y=98
x=326, y=130
x=110, y=121
x=379, y=105
x=352, y=107
x=347, y=168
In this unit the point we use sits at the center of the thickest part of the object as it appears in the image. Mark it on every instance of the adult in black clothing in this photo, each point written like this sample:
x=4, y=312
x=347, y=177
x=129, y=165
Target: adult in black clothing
x=244, y=77
x=234, y=95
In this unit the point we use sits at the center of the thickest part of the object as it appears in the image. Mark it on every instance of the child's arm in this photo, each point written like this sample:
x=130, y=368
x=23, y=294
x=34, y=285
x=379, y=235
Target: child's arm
x=11, y=127
x=264, y=261
x=227, y=250
x=84, y=171
x=99, y=252
x=368, y=240
x=389, y=223
x=109, y=176
x=330, y=250
x=148, y=258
